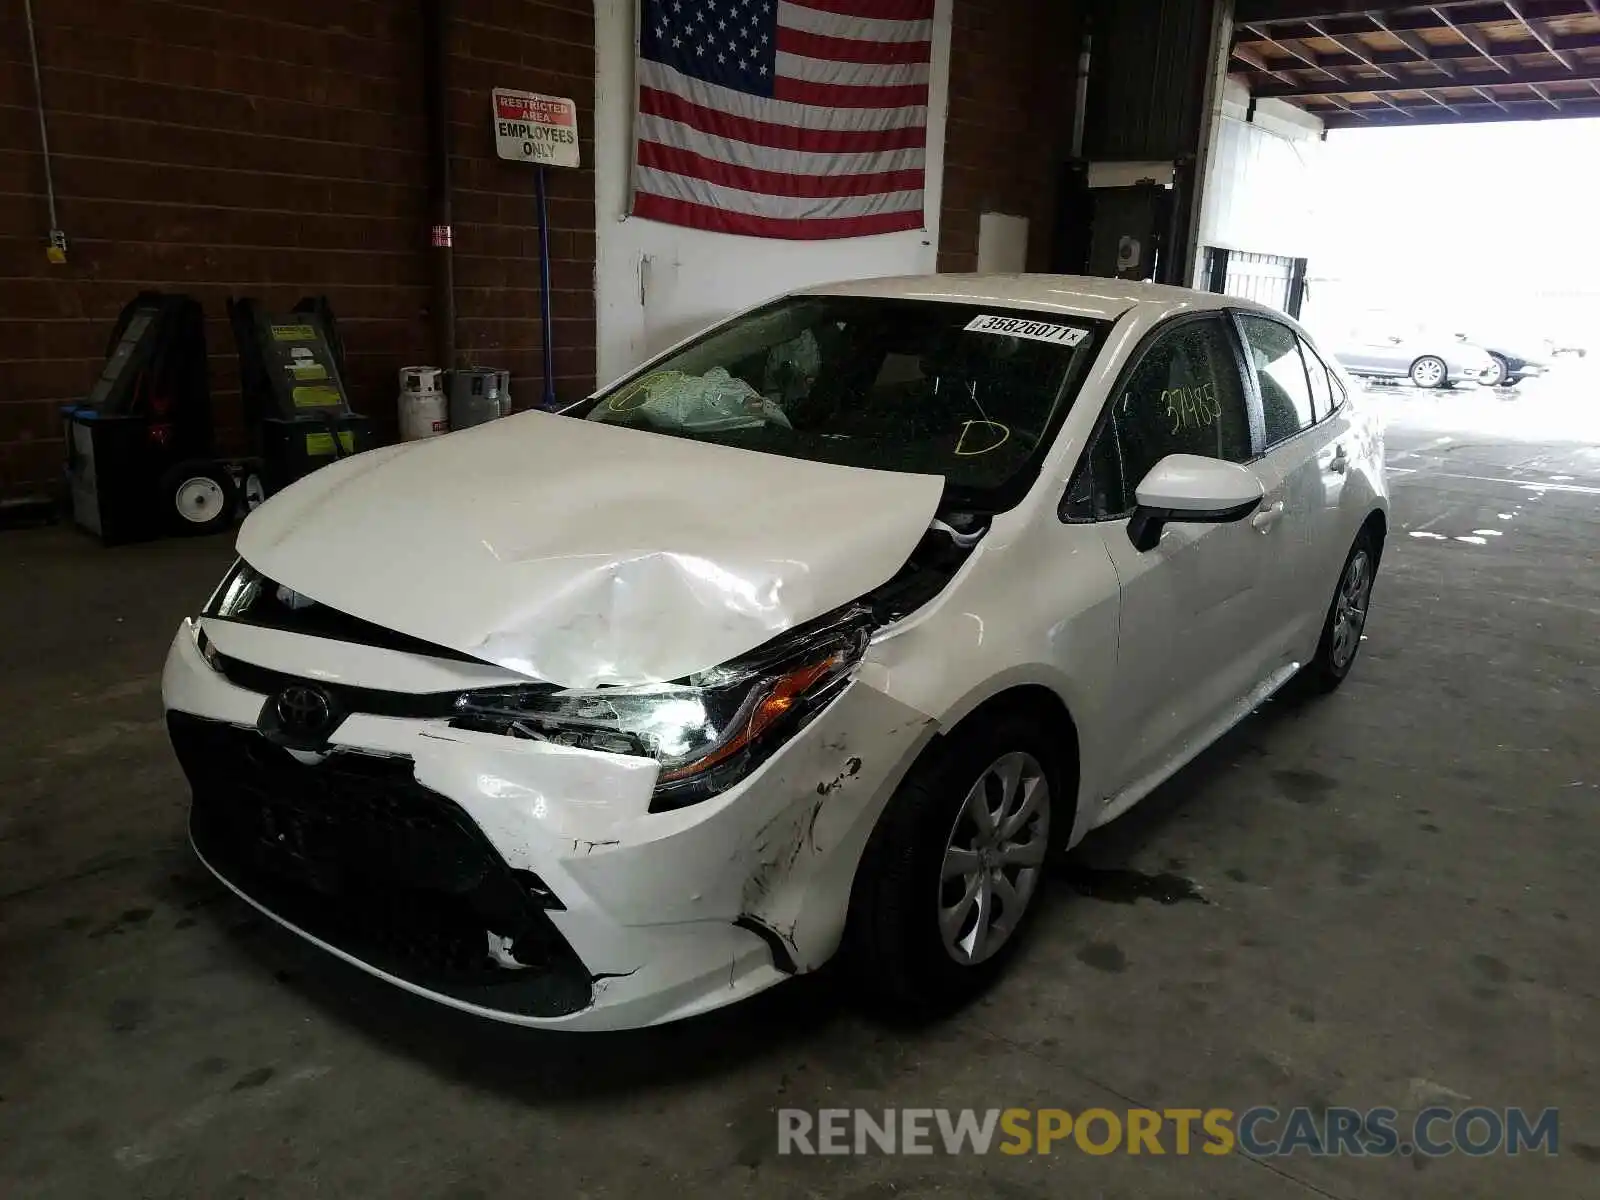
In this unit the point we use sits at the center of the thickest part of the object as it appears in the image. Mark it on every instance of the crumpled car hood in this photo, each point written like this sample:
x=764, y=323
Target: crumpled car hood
x=587, y=554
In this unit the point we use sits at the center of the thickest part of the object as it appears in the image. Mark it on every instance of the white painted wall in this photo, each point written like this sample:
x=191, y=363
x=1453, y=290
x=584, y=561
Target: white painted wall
x=1002, y=244
x=1261, y=191
x=656, y=284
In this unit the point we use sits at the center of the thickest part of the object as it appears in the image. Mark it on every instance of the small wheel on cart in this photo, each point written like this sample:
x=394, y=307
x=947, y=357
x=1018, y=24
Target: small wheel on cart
x=200, y=497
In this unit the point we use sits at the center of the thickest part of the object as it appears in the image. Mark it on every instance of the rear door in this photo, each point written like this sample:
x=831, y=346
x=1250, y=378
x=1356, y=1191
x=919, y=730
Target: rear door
x=1337, y=451
x=1192, y=610
x=1301, y=473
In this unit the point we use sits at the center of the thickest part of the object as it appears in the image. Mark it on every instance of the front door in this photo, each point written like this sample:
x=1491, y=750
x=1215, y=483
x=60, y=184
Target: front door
x=1193, y=609
x=1297, y=473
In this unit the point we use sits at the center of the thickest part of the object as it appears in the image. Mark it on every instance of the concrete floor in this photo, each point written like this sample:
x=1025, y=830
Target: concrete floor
x=1403, y=882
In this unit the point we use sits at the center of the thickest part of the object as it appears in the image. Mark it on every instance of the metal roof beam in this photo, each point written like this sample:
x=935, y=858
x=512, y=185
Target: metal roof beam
x=1523, y=108
x=1416, y=45
x=1545, y=96
x=1254, y=61
x=1424, y=108
x=1415, y=17
x=1353, y=46
x=1540, y=31
x=1254, y=11
x=1251, y=59
x=1528, y=110
x=1466, y=52
x=1298, y=50
x=1472, y=38
x=1582, y=73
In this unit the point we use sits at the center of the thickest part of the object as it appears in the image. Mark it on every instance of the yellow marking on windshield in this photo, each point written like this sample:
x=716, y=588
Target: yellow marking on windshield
x=962, y=450
x=635, y=397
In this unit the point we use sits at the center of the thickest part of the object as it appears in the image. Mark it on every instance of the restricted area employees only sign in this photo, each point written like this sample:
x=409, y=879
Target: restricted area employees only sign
x=532, y=128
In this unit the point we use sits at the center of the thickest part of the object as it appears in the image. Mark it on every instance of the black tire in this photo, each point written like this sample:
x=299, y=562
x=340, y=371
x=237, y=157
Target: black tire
x=1503, y=378
x=198, y=497
x=893, y=944
x=1510, y=382
x=1330, y=667
x=1423, y=367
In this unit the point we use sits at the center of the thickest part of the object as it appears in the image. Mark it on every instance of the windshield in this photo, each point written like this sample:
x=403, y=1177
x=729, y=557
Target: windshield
x=960, y=391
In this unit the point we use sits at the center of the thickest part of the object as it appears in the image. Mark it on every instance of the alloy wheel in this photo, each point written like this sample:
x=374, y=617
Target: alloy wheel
x=1350, y=609
x=993, y=857
x=1428, y=373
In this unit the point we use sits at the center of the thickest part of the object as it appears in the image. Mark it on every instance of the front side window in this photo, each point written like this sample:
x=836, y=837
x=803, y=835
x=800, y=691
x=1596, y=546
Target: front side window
x=969, y=393
x=1185, y=396
x=1274, y=352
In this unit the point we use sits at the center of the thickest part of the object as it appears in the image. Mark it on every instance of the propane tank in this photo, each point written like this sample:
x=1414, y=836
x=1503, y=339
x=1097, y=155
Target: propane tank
x=423, y=407
x=474, y=396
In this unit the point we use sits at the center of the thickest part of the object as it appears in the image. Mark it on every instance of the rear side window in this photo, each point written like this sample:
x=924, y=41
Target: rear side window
x=1321, y=388
x=1325, y=385
x=1286, y=405
x=1185, y=396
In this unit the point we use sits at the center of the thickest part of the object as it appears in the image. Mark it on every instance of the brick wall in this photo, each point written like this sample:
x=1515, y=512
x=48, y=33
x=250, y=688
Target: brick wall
x=199, y=146
x=1012, y=86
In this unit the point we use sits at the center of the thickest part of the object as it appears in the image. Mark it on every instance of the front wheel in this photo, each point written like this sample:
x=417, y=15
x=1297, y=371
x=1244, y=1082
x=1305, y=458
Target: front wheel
x=1497, y=373
x=956, y=864
x=1429, y=372
x=1347, y=616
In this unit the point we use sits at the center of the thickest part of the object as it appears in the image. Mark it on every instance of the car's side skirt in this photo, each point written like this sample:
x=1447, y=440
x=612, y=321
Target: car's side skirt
x=1122, y=801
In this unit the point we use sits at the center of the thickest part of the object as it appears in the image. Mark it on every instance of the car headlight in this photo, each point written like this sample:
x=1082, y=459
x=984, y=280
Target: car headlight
x=708, y=731
x=236, y=593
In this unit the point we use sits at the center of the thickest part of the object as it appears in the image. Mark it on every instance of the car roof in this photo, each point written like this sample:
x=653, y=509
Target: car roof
x=1069, y=295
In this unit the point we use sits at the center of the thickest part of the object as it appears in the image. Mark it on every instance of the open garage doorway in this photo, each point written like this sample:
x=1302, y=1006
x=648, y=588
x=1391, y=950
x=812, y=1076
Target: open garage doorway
x=1415, y=183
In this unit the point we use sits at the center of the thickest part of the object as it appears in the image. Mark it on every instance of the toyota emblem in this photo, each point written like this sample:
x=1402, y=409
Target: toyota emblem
x=304, y=711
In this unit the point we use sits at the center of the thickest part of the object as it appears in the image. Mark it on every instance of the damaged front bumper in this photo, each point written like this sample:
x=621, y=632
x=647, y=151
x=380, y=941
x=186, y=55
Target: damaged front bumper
x=527, y=881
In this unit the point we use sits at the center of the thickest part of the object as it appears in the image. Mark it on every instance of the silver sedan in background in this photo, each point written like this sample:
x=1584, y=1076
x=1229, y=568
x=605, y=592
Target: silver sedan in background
x=1428, y=360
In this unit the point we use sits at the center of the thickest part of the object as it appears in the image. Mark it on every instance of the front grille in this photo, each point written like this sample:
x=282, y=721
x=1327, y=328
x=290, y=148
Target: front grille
x=357, y=853
x=350, y=699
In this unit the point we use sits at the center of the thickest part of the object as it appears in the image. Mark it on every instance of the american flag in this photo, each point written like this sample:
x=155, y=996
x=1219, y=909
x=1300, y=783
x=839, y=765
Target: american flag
x=783, y=118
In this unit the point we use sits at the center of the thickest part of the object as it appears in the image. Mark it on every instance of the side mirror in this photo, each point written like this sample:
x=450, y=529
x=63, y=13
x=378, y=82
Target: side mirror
x=1190, y=488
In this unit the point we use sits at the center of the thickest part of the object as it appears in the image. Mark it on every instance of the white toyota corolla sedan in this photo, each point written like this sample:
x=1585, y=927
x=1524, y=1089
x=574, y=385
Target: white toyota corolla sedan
x=821, y=633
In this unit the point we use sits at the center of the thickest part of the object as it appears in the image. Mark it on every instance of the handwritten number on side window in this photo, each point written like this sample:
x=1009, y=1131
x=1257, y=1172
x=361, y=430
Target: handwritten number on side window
x=1192, y=407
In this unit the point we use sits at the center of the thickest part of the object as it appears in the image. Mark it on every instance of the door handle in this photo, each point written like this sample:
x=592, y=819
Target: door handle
x=1340, y=462
x=1267, y=517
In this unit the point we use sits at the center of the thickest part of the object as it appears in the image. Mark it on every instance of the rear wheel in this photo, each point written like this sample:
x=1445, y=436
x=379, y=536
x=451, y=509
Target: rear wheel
x=1429, y=372
x=956, y=865
x=1497, y=373
x=1347, y=616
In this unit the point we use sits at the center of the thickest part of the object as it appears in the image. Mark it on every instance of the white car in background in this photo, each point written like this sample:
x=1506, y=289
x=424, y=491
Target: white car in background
x=827, y=629
x=1425, y=359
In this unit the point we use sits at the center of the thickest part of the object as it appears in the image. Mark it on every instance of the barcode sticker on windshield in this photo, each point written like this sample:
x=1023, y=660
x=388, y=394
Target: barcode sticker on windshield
x=1039, y=331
